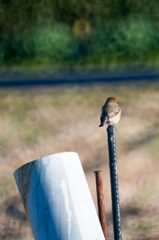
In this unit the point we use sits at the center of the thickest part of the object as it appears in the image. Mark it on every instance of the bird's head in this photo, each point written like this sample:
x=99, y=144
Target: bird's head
x=111, y=99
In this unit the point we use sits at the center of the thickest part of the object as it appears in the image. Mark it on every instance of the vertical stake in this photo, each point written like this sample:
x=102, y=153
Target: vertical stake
x=100, y=200
x=114, y=182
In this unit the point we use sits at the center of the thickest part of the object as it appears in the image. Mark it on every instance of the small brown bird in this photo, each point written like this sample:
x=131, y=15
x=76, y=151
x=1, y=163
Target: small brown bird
x=110, y=112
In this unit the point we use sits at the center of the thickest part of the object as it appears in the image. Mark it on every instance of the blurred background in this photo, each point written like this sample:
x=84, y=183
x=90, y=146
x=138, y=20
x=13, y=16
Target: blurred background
x=70, y=33
x=41, y=39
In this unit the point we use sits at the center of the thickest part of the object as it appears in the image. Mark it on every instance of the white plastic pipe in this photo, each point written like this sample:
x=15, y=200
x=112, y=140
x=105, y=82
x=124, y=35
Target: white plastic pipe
x=57, y=199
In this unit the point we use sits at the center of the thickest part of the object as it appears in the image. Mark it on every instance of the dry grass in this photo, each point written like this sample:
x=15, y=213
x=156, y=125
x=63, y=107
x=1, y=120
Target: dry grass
x=39, y=122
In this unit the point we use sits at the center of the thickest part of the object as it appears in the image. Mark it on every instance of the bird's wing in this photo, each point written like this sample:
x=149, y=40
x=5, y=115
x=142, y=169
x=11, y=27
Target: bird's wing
x=111, y=111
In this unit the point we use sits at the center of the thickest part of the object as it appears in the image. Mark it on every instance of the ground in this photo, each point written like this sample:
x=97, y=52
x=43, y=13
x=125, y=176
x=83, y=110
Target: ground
x=36, y=122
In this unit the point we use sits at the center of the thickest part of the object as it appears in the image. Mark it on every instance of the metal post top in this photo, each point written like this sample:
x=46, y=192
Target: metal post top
x=97, y=171
x=111, y=129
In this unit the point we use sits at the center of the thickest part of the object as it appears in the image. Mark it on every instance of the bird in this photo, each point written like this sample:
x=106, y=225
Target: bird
x=111, y=112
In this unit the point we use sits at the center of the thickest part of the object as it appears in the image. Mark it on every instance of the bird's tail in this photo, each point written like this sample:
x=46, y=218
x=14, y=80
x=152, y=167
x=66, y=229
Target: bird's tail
x=103, y=120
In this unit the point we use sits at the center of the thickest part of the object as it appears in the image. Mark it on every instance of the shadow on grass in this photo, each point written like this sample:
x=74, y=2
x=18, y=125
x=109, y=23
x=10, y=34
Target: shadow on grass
x=13, y=208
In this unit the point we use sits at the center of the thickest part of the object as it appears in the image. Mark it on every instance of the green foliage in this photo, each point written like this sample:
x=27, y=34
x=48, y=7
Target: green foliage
x=40, y=32
x=55, y=43
x=133, y=37
x=137, y=36
x=2, y=50
x=51, y=43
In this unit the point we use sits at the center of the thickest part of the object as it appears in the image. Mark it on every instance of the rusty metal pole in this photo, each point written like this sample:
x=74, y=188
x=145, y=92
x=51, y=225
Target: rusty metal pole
x=114, y=181
x=100, y=200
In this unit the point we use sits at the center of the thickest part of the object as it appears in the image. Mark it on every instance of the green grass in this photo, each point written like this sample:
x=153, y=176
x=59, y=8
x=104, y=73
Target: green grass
x=30, y=133
x=6, y=184
x=145, y=226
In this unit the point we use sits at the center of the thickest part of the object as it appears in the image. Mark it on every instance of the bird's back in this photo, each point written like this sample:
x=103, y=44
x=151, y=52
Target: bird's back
x=110, y=109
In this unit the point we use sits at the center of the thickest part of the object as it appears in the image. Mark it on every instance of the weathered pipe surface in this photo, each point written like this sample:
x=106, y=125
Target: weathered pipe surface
x=100, y=200
x=57, y=199
x=114, y=182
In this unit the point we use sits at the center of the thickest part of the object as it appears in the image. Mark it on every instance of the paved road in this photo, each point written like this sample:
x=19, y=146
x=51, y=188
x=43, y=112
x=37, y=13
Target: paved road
x=16, y=77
